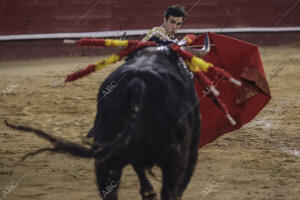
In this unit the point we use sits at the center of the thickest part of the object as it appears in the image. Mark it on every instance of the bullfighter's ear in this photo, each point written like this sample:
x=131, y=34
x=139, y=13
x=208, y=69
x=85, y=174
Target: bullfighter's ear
x=165, y=20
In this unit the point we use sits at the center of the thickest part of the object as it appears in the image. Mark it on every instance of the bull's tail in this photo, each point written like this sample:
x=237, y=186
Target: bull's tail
x=102, y=152
x=60, y=145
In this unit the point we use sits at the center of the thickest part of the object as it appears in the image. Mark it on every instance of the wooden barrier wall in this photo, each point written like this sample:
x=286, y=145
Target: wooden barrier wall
x=55, y=16
x=64, y=16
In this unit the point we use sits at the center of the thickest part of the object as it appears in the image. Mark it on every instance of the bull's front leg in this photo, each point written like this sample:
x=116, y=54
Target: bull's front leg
x=147, y=190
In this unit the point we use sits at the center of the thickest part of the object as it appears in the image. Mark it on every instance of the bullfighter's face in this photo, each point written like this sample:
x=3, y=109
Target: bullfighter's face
x=172, y=24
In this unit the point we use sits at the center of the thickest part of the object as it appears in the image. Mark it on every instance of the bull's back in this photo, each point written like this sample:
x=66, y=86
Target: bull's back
x=152, y=91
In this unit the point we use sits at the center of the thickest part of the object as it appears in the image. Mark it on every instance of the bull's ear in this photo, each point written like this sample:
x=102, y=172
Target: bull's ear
x=155, y=39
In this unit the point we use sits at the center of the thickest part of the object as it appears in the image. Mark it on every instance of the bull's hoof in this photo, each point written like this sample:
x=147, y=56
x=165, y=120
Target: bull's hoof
x=151, y=195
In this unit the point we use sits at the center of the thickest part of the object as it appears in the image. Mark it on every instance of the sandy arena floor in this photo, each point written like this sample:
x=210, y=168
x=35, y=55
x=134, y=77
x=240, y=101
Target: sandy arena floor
x=261, y=161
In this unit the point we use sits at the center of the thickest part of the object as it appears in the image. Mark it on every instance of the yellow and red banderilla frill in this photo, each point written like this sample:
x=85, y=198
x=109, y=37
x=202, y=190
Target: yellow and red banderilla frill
x=197, y=65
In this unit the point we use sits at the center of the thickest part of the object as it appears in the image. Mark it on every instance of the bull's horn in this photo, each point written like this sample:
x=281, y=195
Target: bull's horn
x=206, y=48
x=123, y=36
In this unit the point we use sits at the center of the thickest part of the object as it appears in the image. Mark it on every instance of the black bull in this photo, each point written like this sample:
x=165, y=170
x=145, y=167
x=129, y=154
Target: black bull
x=148, y=116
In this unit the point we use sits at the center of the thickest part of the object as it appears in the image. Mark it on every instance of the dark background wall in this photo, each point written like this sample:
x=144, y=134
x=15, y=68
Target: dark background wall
x=63, y=16
x=52, y=16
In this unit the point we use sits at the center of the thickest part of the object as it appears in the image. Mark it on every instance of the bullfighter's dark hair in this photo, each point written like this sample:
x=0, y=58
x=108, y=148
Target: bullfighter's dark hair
x=175, y=11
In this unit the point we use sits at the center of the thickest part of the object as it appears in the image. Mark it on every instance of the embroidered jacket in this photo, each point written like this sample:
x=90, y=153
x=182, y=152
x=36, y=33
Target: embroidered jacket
x=160, y=32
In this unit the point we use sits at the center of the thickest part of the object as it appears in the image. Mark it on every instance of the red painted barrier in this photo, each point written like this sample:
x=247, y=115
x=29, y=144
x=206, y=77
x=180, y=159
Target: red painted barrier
x=52, y=16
